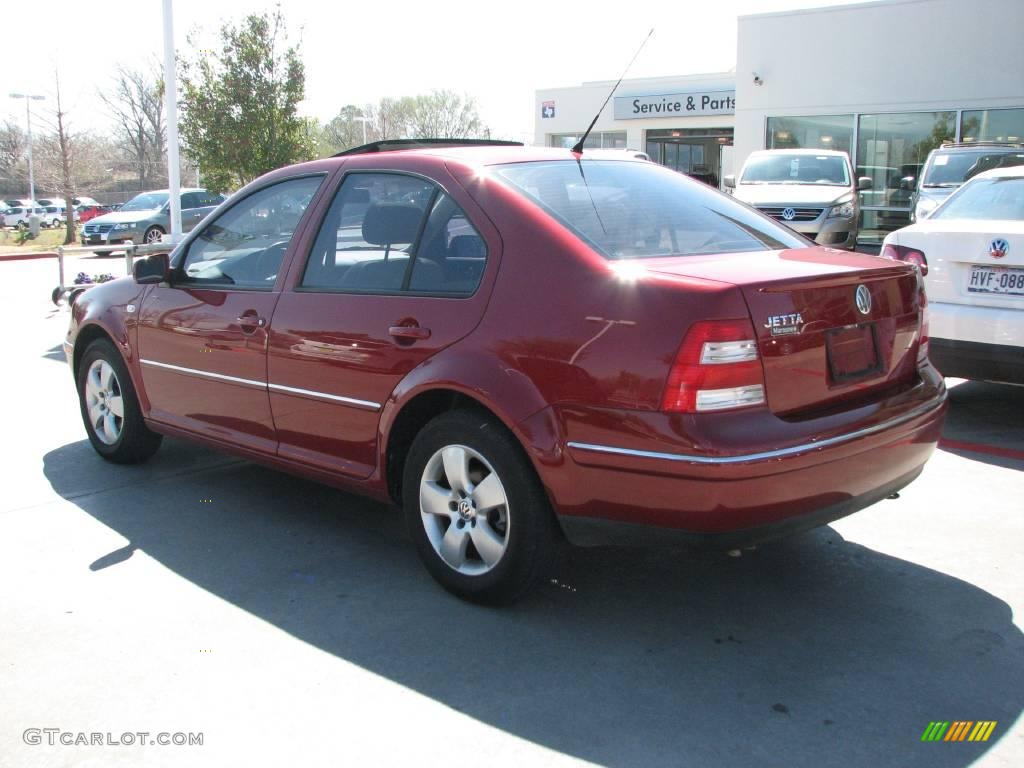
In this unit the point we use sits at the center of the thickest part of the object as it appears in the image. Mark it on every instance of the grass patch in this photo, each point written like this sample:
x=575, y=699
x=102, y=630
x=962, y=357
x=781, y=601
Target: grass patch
x=48, y=240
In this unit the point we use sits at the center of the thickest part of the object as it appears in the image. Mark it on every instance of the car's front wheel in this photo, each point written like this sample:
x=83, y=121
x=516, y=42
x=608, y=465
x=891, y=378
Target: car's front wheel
x=110, y=407
x=476, y=510
x=153, y=235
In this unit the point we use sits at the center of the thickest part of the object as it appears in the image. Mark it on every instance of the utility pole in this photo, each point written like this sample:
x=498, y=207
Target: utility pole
x=171, y=107
x=28, y=119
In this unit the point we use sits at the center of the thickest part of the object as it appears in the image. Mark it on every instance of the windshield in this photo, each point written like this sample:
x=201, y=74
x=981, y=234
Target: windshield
x=986, y=199
x=627, y=210
x=796, y=169
x=951, y=169
x=147, y=201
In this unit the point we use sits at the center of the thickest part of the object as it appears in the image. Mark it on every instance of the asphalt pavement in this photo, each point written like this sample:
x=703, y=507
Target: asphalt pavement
x=291, y=624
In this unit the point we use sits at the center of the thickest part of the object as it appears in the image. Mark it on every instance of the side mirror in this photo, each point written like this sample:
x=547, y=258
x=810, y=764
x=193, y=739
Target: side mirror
x=152, y=269
x=729, y=180
x=864, y=183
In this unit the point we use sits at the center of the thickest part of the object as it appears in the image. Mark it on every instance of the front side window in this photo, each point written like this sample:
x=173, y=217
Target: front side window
x=395, y=234
x=628, y=210
x=986, y=199
x=244, y=246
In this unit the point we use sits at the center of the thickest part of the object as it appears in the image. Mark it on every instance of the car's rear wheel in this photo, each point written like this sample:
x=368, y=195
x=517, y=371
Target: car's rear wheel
x=110, y=407
x=476, y=510
x=153, y=235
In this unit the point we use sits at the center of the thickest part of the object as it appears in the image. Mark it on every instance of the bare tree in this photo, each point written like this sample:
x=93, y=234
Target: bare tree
x=137, y=105
x=69, y=162
x=446, y=115
x=389, y=118
x=13, y=170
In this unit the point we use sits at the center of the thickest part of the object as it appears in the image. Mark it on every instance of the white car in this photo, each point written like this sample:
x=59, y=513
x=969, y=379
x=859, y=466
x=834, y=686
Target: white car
x=971, y=253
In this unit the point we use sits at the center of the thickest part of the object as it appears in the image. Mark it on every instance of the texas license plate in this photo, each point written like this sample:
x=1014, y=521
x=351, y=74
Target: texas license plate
x=986, y=279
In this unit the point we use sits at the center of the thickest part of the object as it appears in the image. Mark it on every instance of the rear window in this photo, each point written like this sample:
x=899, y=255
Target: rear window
x=627, y=210
x=986, y=199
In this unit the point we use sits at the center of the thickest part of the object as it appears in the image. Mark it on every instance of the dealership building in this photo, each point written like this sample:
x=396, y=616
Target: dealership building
x=884, y=81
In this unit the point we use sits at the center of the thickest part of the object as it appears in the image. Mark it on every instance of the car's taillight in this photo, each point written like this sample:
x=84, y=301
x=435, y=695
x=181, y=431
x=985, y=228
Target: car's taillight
x=909, y=255
x=717, y=368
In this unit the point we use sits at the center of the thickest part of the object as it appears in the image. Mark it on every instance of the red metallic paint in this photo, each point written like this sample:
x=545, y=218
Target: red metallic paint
x=562, y=346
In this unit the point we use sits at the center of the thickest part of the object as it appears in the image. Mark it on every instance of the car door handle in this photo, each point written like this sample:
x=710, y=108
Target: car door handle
x=410, y=332
x=250, y=322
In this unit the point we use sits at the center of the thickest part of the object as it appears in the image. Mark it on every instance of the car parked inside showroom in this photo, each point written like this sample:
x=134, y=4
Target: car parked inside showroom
x=146, y=217
x=970, y=251
x=812, y=191
x=952, y=164
x=521, y=346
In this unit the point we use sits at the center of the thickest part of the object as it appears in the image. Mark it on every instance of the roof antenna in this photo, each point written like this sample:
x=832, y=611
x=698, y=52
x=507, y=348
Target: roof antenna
x=578, y=149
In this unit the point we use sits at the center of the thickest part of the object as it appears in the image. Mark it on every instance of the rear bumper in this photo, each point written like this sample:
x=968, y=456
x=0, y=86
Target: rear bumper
x=976, y=360
x=606, y=490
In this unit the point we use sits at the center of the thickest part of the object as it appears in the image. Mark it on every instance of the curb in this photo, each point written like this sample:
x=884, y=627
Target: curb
x=27, y=256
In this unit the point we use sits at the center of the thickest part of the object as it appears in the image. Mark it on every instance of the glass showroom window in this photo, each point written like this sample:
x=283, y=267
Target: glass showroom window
x=818, y=132
x=596, y=140
x=993, y=125
x=891, y=150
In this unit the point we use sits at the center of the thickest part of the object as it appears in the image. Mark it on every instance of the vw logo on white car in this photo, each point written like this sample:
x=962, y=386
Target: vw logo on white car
x=788, y=214
x=863, y=298
x=998, y=248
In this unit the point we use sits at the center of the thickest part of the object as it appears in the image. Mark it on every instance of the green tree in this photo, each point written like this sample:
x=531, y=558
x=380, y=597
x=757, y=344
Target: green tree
x=343, y=131
x=240, y=103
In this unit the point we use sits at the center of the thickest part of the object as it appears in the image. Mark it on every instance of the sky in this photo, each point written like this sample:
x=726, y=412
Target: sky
x=356, y=53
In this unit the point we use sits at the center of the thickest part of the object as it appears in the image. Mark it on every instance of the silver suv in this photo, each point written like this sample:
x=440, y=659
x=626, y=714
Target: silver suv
x=949, y=166
x=812, y=191
x=147, y=217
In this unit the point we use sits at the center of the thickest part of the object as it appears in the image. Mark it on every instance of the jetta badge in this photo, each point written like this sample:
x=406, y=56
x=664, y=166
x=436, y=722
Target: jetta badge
x=788, y=214
x=863, y=298
x=998, y=248
x=785, y=325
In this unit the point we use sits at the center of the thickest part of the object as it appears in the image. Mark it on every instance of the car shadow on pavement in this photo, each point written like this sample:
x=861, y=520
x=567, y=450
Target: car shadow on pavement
x=811, y=652
x=986, y=423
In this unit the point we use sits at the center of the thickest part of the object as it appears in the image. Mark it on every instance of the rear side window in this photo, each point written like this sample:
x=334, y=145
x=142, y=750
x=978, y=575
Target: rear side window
x=390, y=233
x=628, y=210
x=986, y=199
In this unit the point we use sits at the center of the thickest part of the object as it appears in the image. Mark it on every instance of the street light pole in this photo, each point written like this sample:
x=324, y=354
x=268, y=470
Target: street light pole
x=28, y=120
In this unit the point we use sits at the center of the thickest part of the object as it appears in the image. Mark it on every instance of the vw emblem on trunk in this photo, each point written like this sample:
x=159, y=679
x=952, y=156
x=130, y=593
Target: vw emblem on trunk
x=788, y=214
x=998, y=248
x=863, y=298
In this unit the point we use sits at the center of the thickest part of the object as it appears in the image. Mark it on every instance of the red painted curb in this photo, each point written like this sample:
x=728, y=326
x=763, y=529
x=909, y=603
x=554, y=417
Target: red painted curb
x=27, y=256
x=992, y=450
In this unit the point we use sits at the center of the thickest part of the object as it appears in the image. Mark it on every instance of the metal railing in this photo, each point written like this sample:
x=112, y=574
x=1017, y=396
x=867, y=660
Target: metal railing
x=130, y=252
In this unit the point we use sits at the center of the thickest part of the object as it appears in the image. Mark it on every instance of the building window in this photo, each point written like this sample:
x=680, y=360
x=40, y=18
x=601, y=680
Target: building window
x=596, y=140
x=817, y=132
x=891, y=151
x=993, y=125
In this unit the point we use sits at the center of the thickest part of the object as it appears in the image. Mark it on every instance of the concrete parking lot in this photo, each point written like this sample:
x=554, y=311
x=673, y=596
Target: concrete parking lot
x=291, y=624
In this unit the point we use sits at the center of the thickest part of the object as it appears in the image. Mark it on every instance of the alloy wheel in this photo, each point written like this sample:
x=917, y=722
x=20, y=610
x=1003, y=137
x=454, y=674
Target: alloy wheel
x=104, y=402
x=464, y=510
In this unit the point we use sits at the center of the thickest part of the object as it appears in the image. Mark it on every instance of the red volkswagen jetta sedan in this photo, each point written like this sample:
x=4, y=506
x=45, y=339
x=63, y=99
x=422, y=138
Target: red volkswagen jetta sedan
x=517, y=346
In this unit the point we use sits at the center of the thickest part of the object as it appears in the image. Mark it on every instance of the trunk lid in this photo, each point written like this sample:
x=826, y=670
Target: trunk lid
x=965, y=266
x=817, y=347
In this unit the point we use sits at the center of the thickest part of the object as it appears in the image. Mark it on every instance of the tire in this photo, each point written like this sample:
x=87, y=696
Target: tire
x=495, y=554
x=56, y=223
x=104, y=386
x=153, y=235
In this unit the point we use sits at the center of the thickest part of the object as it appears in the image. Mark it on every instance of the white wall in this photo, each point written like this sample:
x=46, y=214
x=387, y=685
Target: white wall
x=890, y=56
x=576, y=106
